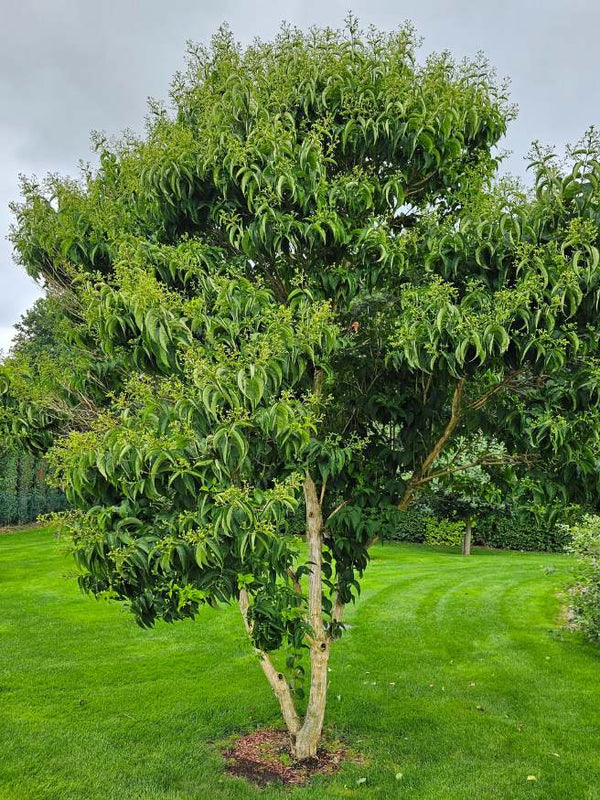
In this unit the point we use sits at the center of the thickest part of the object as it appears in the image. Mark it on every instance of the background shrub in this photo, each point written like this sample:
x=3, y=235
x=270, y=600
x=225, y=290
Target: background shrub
x=442, y=531
x=502, y=529
x=24, y=492
x=585, y=545
x=507, y=531
x=408, y=526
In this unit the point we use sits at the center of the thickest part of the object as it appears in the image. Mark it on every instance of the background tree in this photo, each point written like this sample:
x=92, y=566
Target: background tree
x=305, y=269
x=470, y=479
x=54, y=378
x=37, y=349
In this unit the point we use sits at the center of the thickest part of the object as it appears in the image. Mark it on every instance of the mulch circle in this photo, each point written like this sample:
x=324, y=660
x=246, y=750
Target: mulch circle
x=263, y=756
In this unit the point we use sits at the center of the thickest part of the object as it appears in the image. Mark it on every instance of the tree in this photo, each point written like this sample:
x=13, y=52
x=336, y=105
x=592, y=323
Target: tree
x=466, y=482
x=298, y=286
x=188, y=478
x=54, y=378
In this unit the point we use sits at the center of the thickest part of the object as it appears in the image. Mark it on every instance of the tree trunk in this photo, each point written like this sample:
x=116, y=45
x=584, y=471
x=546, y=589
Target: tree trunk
x=305, y=734
x=466, y=545
x=277, y=680
x=307, y=739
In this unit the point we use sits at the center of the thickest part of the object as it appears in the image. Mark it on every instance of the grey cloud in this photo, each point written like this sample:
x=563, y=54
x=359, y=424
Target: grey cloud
x=71, y=66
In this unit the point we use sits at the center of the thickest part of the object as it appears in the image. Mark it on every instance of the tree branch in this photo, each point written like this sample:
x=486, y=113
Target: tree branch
x=338, y=609
x=336, y=509
x=277, y=680
x=323, y=488
x=482, y=400
x=294, y=579
x=483, y=461
x=455, y=417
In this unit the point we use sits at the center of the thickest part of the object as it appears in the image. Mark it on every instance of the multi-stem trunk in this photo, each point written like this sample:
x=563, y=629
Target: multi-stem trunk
x=466, y=545
x=307, y=739
x=305, y=734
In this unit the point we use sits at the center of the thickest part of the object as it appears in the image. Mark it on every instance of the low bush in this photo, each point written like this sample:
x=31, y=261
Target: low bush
x=409, y=526
x=443, y=531
x=585, y=545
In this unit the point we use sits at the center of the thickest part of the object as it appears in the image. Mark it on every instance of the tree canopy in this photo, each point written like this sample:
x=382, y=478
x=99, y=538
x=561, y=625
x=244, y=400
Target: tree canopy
x=293, y=291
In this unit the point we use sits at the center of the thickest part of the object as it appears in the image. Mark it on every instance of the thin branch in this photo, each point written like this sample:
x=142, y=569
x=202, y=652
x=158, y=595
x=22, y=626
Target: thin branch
x=455, y=417
x=426, y=386
x=350, y=418
x=294, y=579
x=335, y=510
x=277, y=680
x=484, y=461
x=482, y=400
x=372, y=383
x=322, y=495
x=419, y=184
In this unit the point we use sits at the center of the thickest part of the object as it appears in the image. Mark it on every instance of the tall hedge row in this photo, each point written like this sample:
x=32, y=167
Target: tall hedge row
x=521, y=533
x=24, y=492
x=499, y=530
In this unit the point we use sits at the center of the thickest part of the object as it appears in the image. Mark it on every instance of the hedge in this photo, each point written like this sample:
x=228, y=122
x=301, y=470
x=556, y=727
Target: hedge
x=24, y=493
x=518, y=533
x=410, y=526
x=502, y=531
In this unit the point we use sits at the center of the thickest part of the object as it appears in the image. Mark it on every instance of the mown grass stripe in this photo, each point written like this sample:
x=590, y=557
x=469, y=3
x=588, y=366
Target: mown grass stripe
x=91, y=706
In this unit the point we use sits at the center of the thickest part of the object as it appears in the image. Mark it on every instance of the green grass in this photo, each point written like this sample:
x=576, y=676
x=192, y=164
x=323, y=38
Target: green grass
x=93, y=707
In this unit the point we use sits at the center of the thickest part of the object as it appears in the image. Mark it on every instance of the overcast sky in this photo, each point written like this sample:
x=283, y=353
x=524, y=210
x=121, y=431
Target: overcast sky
x=71, y=66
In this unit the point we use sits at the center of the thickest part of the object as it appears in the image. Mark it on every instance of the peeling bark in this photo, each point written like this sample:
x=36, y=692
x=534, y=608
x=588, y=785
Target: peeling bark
x=307, y=738
x=314, y=539
x=305, y=734
x=309, y=735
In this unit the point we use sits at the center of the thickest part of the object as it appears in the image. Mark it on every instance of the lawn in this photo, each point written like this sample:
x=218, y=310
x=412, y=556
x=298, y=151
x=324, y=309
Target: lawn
x=454, y=673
